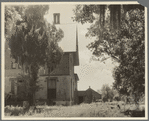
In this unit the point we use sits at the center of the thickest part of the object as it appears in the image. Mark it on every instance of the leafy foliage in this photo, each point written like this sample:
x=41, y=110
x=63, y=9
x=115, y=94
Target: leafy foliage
x=130, y=74
x=30, y=39
x=54, y=52
x=107, y=92
x=11, y=18
x=124, y=42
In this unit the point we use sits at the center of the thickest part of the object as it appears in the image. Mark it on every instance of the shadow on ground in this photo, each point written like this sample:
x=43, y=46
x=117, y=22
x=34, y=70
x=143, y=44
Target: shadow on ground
x=135, y=113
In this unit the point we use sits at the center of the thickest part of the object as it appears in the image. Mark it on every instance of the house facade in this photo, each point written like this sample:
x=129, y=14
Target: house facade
x=12, y=71
x=60, y=86
x=88, y=96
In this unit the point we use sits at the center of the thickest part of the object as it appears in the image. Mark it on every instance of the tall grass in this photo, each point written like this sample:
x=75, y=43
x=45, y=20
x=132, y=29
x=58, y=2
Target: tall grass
x=83, y=110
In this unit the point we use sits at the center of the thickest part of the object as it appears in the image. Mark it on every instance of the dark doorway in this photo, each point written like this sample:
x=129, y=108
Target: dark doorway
x=51, y=91
x=81, y=99
x=52, y=94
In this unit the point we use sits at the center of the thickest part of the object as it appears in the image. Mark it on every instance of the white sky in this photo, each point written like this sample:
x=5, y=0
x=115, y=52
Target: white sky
x=93, y=73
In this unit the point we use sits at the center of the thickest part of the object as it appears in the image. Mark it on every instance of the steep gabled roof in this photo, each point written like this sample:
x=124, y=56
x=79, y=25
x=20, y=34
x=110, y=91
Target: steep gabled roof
x=93, y=91
x=68, y=42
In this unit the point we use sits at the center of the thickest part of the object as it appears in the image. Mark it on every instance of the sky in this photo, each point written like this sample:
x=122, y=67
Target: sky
x=90, y=73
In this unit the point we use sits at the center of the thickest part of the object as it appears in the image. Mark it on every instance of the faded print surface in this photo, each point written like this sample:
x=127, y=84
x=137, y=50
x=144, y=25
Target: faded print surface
x=74, y=60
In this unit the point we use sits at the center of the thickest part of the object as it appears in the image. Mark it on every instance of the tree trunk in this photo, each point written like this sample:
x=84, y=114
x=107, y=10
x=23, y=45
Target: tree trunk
x=34, y=76
x=115, y=16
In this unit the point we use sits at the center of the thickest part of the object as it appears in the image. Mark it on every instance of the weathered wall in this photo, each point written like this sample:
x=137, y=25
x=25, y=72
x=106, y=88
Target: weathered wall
x=72, y=81
x=66, y=83
x=63, y=67
x=88, y=98
x=63, y=88
x=10, y=74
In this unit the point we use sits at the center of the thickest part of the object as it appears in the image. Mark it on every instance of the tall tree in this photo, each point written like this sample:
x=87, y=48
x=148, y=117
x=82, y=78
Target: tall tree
x=105, y=21
x=119, y=32
x=107, y=92
x=31, y=40
x=130, y=74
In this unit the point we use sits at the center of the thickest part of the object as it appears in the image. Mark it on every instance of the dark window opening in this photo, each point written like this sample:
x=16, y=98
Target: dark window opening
x=56, y=18
x=52, y=94
x=81, y=99
x=52, y=91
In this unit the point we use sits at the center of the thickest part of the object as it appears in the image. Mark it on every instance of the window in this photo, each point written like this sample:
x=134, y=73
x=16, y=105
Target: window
x=52, y=88
x=56, y=18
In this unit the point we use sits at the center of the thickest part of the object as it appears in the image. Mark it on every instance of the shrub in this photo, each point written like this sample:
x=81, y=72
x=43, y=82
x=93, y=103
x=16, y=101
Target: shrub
x=11, y=110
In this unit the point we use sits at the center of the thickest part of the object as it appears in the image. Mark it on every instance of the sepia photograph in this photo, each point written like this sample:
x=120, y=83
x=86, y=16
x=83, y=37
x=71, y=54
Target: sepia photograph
x=74, y=60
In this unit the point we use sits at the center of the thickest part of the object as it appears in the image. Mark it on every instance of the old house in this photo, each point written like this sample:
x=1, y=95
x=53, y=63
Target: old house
x=88, y=96
x=12, y=70
x=58, y=87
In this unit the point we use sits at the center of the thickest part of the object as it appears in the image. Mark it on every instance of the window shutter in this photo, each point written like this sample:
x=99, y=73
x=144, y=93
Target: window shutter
x=56, y=18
